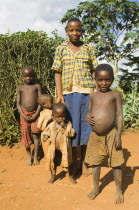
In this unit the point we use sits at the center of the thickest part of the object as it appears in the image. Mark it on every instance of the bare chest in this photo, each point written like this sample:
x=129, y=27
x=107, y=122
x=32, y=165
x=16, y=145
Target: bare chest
x=29, y=90
x=103, y=102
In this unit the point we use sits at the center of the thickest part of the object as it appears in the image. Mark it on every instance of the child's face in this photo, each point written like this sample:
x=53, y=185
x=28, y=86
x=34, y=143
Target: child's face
x=104, y=80
x=48, y=104
x=74, y=31
x=28, y=76
x=59, y=116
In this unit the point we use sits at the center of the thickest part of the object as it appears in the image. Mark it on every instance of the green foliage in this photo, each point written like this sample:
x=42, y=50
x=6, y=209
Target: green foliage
x=131, y=108
x=127, y=78
x=112, y=25
x=31, y=48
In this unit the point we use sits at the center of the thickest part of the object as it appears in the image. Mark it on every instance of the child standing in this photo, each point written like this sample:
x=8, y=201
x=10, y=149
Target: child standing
x=74, y=65
x=46, y=101
x=27, y=104
x=58, y=134
x=105, y=108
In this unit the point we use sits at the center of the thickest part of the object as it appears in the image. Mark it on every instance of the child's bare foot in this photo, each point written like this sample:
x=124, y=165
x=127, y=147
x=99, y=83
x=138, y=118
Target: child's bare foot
x=93, y=194
x=119, y=197
x=72, y=180
x=29, y=162
x=51, y=181
x=36, y=161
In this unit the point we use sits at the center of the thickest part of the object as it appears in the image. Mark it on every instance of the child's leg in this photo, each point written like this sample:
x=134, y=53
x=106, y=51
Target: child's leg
x=118, y=181
x=85, y=131
x=53, y=176
x=28, y=150
x=85, y=170
x=74, y=158
x=73, y=103
x=53, y=173
x=36, y=148
x=96, y=175
x=71, y=176
x=57, y=161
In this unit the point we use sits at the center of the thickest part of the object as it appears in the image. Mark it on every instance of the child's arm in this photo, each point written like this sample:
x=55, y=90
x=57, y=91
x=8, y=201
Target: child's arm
x=40, y=121
x=94, y=65
x=89, y=118
x=95, y=84
x=34, y=117
x=58, y=82
x=46, y=133
x=19, y=104
x=45, y=138
x=119, y=120
x=70, y=132
x=58, y=67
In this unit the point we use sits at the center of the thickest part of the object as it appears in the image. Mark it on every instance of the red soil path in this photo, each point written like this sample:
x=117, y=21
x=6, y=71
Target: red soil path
x=26, y=187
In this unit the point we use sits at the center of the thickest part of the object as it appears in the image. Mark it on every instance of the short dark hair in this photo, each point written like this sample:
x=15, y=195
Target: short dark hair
x=104, y=67
x=57, y=106
x=73, y=19
x=28, y=68
x=43, y=98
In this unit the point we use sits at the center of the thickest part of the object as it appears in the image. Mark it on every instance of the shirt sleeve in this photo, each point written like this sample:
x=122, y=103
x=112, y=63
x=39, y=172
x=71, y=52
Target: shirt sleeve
x=57, y=64
x=47, y=130
x=40, y=121
x=70, y=132
x=94, y=62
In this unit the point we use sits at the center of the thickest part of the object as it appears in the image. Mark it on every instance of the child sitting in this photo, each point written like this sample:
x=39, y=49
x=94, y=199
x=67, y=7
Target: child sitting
x=58, y=133
x=27, y=104
x=46, y=101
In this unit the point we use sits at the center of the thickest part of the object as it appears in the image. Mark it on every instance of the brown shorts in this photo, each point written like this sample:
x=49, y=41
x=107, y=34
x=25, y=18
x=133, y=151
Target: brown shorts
x=100, y=147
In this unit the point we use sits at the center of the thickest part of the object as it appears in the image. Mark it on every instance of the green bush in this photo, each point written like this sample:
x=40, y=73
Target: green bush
x=131, y=107
x=31, y=48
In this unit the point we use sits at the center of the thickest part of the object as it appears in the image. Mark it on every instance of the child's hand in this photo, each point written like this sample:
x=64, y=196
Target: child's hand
x=117, y=142
x=63, y=125
x=60, y=99
x=33, y=118
x=90, y=119
x=27, y=118
x=45, y=137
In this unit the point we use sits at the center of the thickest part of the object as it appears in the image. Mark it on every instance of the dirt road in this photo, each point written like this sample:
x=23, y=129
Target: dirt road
x=26, y=187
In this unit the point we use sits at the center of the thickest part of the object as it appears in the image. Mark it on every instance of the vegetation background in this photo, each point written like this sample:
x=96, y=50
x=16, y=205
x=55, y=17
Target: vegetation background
x=112, y=26
x=31, y=48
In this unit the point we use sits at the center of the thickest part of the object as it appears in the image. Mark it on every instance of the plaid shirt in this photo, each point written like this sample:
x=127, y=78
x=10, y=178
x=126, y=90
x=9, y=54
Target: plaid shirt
x=80, y=65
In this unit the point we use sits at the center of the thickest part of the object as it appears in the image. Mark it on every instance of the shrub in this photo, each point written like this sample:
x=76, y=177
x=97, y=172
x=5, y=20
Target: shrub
x=131, y=107
x=31, y=48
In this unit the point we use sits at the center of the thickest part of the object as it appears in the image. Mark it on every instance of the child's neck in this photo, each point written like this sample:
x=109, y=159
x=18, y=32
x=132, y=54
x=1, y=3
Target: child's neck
x=46, y=108
x=75, y=46
x=28, y=84
x=105, y=91
x=32, y=83
x=58, y=126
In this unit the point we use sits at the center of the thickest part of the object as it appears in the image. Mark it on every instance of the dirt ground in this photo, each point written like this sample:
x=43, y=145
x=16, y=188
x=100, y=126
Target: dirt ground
x=26, y=187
